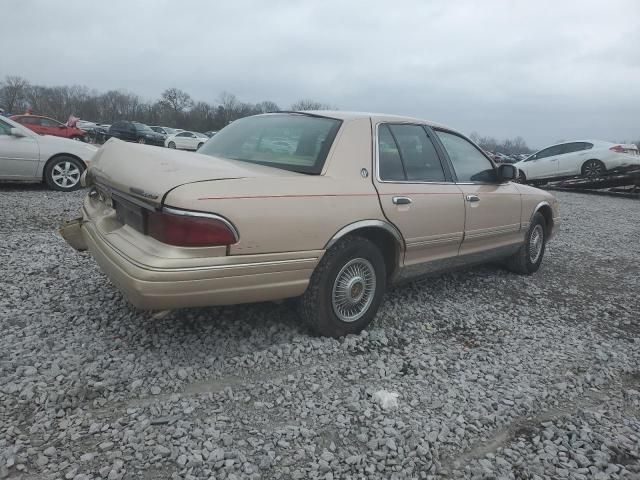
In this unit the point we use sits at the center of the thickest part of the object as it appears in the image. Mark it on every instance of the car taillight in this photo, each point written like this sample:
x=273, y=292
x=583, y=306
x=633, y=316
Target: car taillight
x=617, y=148
x=190, y=229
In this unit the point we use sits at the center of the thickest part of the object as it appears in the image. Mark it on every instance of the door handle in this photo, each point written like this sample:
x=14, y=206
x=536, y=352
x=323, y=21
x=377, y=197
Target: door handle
x=401, y=200
x=473, y=198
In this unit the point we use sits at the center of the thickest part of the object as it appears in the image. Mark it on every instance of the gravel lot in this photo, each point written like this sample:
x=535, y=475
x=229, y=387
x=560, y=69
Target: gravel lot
x=497, y=375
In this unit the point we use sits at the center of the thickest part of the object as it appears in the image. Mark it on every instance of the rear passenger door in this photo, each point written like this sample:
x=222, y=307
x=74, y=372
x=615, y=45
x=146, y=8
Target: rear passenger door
x=572, y=158
x=493, y=209
x=417, y=192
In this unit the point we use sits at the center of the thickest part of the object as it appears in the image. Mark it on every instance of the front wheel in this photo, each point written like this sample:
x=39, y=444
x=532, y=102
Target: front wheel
x=63, y=173
x=521, y=178
x=142, y=141
x=346, y=288
x=199, y=146
x=528, y=258
x=172, y=145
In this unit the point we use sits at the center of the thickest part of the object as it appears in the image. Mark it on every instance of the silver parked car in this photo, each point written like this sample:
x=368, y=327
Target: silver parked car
x=57, y=161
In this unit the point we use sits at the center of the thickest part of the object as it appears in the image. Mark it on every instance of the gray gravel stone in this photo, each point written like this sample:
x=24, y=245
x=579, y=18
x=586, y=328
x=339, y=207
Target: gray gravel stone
x=497, y=373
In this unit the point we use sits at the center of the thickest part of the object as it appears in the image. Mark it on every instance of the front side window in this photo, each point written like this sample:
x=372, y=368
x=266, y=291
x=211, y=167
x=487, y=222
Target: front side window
x=469, y=164
x=184, y=134
x=406, y=153
x=295, y=142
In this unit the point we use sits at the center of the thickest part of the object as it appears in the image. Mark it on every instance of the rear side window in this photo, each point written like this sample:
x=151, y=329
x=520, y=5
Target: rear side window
x=390, y=165
x=294, y=142
x=410, y=146
x=468, y=162
x=45, y=122
x=573, y=147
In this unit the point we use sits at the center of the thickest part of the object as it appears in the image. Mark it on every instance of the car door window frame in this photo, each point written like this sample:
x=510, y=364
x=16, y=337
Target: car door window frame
x=450, y=163
x=448, y=175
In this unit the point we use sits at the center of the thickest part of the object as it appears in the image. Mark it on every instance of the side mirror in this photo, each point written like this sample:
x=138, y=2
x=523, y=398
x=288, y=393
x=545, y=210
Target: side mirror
x=507, y=172
x=16, y=132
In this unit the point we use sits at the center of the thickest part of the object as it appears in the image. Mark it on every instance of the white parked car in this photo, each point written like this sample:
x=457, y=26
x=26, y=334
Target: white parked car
x=587, y=158
x=57, y=161
x=186, y=140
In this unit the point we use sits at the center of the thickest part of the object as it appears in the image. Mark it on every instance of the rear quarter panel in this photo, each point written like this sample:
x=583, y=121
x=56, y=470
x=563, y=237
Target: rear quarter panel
x=293, y=213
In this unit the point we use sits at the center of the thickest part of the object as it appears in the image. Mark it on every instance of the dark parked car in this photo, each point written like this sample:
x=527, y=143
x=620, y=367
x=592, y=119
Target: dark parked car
x=135, y=132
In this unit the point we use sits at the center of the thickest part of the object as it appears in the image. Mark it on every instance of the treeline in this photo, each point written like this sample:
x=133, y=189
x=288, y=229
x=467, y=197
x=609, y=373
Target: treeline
x=509, y=146
x=174, y=108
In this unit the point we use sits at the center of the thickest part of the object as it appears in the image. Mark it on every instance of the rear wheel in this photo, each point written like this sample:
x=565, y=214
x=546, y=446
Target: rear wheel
x=346, y=288
x=593, y=169
x=528, y=258
x=142, y=141
x=63, y=173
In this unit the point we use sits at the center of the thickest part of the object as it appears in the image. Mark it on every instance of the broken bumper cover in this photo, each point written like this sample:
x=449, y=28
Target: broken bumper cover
x=232, y=280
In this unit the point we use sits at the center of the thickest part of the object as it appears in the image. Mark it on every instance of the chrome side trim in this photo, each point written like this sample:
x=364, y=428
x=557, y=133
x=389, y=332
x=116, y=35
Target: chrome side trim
x=490, y=232
x=368, y=224
x=436, y=240
x=189, y=213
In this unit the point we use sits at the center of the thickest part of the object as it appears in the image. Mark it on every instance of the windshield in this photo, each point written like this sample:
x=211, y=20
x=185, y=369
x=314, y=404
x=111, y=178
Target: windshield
x=294, y=142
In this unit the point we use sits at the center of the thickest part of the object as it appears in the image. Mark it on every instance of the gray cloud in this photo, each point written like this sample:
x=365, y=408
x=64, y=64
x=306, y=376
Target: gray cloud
x=545, y=70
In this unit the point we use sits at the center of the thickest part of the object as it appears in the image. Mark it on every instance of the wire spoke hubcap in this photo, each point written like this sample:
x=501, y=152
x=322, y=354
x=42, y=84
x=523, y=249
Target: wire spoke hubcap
x=536, y=242
x=65, y=174
x=353, y=290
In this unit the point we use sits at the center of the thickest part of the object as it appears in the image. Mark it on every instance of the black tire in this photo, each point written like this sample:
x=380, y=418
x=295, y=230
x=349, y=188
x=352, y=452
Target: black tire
x=521, y=178
x=199, y=145
x=172, y=145
x=522, y=261
x=593, y=168
x=316, y=306
x=142, y=141
x=63, y=173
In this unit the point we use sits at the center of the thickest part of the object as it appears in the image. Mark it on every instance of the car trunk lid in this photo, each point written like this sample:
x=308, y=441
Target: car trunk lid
x=146, y=174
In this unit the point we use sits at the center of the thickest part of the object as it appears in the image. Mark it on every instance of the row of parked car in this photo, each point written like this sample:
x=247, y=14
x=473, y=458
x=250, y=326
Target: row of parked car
x=124, y=130
x=25, y=155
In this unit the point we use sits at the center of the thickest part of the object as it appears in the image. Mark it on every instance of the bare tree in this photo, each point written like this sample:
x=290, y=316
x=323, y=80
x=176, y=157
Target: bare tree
x=13, y=93
x=307, y=104
x=176, y=99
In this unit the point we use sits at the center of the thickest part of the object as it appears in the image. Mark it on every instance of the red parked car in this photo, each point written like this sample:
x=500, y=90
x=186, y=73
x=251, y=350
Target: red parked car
x=49, y=126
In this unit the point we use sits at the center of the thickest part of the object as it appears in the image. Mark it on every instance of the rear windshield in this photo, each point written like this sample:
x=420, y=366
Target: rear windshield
x=294, y=142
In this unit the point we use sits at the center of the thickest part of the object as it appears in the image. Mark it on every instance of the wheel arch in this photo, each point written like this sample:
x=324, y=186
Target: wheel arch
x=544, y=208
x=384, y=235
x=58, y=155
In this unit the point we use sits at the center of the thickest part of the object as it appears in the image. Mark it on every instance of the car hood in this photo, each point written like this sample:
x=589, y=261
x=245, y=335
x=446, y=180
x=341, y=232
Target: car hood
x=50, y=145
x=149, y=173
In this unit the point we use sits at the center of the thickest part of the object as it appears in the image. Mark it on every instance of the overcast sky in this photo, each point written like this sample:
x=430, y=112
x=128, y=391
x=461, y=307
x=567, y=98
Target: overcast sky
x=545, y=70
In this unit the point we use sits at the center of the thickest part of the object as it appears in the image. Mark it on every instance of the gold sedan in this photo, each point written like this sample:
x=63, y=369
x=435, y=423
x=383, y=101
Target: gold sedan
x=328, y=207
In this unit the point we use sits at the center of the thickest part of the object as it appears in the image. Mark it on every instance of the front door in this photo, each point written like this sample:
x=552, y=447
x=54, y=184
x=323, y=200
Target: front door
x=417, y=193
x=19, y=156
x=492, y=209
x=543, y=164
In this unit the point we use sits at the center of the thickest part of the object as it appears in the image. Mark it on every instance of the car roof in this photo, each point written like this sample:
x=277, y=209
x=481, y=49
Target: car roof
x=375, y=117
